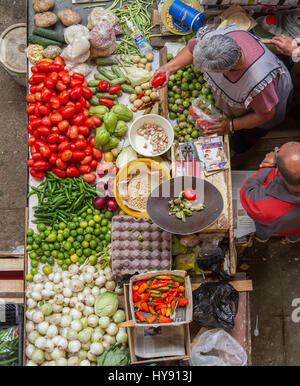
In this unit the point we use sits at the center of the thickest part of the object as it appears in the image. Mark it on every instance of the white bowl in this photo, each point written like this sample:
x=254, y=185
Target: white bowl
x=138, y=141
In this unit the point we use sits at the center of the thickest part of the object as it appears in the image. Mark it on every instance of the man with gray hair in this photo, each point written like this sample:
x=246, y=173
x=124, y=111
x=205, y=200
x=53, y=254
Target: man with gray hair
x=249, y=83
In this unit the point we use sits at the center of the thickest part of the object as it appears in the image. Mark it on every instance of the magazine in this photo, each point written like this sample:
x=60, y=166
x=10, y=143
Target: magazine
x=211, y=153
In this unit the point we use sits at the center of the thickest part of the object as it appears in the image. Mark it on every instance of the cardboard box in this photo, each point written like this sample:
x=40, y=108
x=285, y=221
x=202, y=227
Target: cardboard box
x=131, y=333
x=187, y=310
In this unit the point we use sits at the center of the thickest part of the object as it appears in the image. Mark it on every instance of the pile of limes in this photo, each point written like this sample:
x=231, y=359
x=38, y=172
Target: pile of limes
x=65, y=243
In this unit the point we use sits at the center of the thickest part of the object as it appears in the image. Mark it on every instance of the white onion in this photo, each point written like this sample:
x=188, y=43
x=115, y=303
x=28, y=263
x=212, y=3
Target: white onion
x=75, y=314
x=110, y=285
x=73, y=301
x=62, y=343
x=43, y=327
x=119, y=290
x=52, y=331
x=93, y=320
x=29, y=326
x=104, y=321
x=85, y=362
x=38, y=287
x=61, y=362
x=29, y=314
x=73, y=269
x=88, y=311
x=51, y=276
x=32, y=337
x=57, y=353
x=91, y=357
x=79, y=306
x=106, y=345
x=65, y=321
x=89, y=300
x=85, y=346
x=49, y=346
x=38, y=278
x=49, y=285
x=66, y=310
x=80, y=297
x=59, y=299
x=74, y=346
x=100, y=281
x=82, y=354
x=96, y=348
x=95, y=291
x=121, y=336
x=58, y=288
x=76, y=325
x=31, y=303
x=86, y=291
x=29, y=350
x=55, y=319
x=31, y=363
x=37, y=296
x=102, y=290
x=66, y=302
x=67, y=292
x=38, y=356
x=85, y=335
x=57, y=278
x=109, y=275
x=48, y=356
x=107, y=269
x=109, y=339
x=97, y=336
x=73, y=361
x=71, y=334
x=57, y=307
x=47, y=294
x=90, y=269
x=76, y=285
x=112, y=329
x=37, y=317
x=40, y=342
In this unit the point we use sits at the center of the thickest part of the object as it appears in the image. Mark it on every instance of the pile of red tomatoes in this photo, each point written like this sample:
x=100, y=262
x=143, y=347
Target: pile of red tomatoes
x=60, y=123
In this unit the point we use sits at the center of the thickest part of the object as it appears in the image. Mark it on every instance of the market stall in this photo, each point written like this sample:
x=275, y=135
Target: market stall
x=106, y=282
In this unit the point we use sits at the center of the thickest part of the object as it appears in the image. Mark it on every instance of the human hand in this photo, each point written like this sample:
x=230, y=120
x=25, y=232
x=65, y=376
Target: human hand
x=165, y=70
x=285, y=44
x=220, y=128
x=268, y=161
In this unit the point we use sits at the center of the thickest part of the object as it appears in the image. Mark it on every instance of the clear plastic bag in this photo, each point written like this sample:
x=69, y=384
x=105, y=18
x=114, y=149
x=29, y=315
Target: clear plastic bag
x=9, y=346
x=103, y=35
x=204, y=113
x=217, y=348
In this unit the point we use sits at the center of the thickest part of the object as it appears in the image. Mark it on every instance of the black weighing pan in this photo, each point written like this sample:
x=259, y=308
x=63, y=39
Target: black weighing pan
x=158, y=205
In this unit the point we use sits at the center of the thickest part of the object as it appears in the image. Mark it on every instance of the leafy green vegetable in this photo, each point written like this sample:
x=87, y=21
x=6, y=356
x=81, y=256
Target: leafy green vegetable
x=114, y=356
x=106, y=304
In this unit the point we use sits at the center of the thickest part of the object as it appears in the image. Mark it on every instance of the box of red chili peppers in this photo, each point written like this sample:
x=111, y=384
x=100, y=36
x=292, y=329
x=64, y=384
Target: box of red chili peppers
x=161, y=298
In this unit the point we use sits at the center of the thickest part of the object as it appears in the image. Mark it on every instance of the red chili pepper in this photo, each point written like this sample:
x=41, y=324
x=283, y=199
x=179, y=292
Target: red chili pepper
x=151, y=319
x=140, y=316
x=141, y=94
x=103, y=85
x=164, y=319
x=115, y=89
x=159, y=80
x=106, y=102
x=182, y=302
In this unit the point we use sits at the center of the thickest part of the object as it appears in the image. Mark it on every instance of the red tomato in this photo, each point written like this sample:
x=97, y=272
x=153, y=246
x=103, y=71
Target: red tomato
x=78, y=155
x=30, y=108
x=89, y=177
x=76, y=93
x=103, y=85
x=52, y=159
x=66, y=78
x=62, y=138
x=66, y=155
x=36, y=78
x=44, y=131
x=54, y=102
x=30, y=162
x=85, y=169
x=81, y=144
x=35, y=123
x=89, y=123
x=46, y=94
x=37, y=156
x=38, y=96
x=31, y=141
x=115, y=89
x=49, y=83
x=63, y=125
x=43, y=66
x=61, y=164
x=73, y=147
x=53, y=147
x=44, y=110
x=56, y=117
x=78, y=75
x=96, y=153
x=73, y=132
x=78, y=119
x=36, y=134
x=190, y=194
x=46, y=121
x=64, y=97
x=59, y=173
x=55, y=67
x=84, y=130
x=38, y=143
x=37, y=173
x=79, y=108
x=68, y=111
x=59, y=60
x=32, y=89
x=52, y=138
x=60, y=85
x=86, y=113
x=40, y=86
x=87, y=93
x=30, y=129
x=75, y=82
x=65, y=145
x=53, y=76
x=34, y=69
x=87, y=159
x=159, y=80
x=30, y=98
x=39, y=165
x=45, y=151
x=93, y=164
x=106, y=102
x=92, y=140
x=72, y=171
x=88, y=150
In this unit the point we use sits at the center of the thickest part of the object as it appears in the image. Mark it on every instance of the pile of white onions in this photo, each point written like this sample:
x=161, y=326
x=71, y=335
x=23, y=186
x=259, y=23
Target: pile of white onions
x=61, y=325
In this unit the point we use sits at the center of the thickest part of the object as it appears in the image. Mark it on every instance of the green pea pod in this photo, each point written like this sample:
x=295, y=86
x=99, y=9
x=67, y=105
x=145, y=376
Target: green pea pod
x=176, y=278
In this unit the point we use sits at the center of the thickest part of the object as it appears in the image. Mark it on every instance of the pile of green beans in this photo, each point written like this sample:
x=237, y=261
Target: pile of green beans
x=9, y=342
x=60, y=198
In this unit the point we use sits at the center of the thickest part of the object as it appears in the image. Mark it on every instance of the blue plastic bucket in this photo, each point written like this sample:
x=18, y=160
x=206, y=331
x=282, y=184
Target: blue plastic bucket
x=186, y=15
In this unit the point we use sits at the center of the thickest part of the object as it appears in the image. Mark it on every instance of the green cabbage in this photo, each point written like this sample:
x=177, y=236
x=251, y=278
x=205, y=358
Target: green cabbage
x=106, y=304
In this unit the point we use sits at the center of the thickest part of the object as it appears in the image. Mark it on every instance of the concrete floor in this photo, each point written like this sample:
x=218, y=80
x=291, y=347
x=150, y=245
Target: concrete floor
x=273, y=267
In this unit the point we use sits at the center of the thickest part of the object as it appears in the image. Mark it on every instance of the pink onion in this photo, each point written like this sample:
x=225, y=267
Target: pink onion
x=99, y=202
x=112, y=204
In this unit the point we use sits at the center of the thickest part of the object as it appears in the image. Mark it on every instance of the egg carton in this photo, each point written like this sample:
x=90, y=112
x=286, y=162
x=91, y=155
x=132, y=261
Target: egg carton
x=138, y=246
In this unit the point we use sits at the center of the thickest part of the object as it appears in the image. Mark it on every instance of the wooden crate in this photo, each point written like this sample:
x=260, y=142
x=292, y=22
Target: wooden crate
x=222, y=180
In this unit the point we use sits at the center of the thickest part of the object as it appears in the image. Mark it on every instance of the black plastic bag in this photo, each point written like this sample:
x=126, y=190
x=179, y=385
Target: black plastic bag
x=215, y=305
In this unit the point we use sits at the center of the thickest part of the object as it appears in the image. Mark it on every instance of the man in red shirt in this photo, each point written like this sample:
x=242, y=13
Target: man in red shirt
x=272, y=196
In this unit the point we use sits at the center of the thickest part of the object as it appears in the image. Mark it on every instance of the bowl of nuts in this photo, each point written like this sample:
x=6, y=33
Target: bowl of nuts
x=151, y=135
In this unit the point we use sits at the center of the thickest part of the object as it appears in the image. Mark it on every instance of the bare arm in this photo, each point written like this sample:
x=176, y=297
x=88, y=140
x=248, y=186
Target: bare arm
x=182, y=59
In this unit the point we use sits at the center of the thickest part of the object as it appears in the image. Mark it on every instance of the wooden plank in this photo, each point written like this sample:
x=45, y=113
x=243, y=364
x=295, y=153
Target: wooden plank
x=163, y=92
x=13, y=300
x=239, y=285
x=9, y=264
x=11, y=285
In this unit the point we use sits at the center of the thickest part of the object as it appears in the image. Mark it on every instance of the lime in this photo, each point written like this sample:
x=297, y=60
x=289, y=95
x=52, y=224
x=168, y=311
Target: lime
x=50, y=260
x=68, y=261
x=29, y=277
x=93, y=259
x=33, y=271
x=93, y=244
x=32, y=255
x=51, y=238
x=29, y=232
x=88, y=237
x=74, y=258
x=60, y=262
x=43, y=259
x=41, y=227
x=65, y=267
x=97, y=218
x=108, y=237
x=34, y=263
x=104, y=229
x=108, y=214
x=83, y=224
x=85, y=244
x=81, y=260
x=97, y=232
x=35, y=246
x=71, y=225
x=62, y=225
x=87, y=252
x=80, y=231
